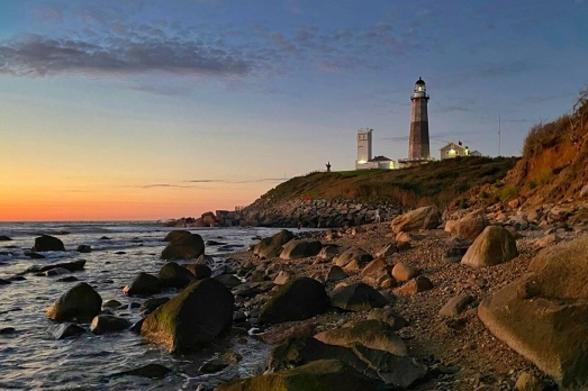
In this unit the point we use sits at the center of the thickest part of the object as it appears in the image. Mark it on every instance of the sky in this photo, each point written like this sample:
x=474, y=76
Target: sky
x=161, y=109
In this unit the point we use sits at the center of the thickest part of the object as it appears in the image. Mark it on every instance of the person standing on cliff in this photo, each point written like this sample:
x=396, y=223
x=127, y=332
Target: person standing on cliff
x=328, y=166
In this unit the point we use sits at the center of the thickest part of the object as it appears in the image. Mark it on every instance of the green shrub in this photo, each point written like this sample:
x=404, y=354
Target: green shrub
x=508, y=192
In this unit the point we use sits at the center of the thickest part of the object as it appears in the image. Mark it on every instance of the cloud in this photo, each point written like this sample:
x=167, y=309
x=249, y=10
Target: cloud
x=497, y=70
x=35, y=55
x=240, y=181
x=164, y=186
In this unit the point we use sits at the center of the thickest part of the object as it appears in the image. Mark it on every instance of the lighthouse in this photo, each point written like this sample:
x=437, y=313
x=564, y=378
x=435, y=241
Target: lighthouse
x=418, y=143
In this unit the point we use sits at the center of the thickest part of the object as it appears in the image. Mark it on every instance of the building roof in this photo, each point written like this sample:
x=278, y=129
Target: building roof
x=453, y=145
x=420, y=82
x=380, y=159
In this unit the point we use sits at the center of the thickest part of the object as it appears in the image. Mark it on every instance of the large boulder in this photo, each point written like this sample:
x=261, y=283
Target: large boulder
x=272, y=246
x=73, y=266
x=144, y=284
x=357, y=297
x=544, y=314
x=315, y=376
x=373, y=334
x=80, y=303
x=396, y=371
x=48, y=243
x=192, y=318
x=175, y=276
x=183, y=245
x=427, y=217
x=198, y=270
x=493, y=246
x=300, y=249
x=468, y=227
x=297, y=300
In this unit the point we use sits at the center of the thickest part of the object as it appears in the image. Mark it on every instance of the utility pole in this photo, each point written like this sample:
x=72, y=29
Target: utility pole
x=499, y=137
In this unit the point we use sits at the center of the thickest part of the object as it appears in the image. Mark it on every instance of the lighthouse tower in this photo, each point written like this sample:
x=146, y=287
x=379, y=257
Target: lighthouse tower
x=418, y=143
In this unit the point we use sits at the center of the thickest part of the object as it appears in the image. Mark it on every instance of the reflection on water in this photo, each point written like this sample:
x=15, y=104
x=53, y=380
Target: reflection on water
x=32, y=359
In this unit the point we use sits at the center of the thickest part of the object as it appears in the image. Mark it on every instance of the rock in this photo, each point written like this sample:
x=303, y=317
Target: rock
x=56, y=271
x=136, y=327
x=528, y=382
x=192, y=318
x=66, y=330
x=427, y=217
x=228, y=280
x=387, y=315
x=279, y=335
x=373, y=334
x=316, y=375
x=403, y=272
x=34, y=255
x=328, y=252
x=547, y=240
x=205, y=260
x=7, y=330
x=84, y=248
x=103, y=324
x=151, y=304
x=198, y=270
x=4, y=238
x=414, y=286
x=283, y=277
x=48, y=243
x=80, y=303
x=456, y=305
x=396, y=371
x=542, y=315
x=112, y=304
x=357, y=297
x=403, y=240
x=73, y=266
x=143, y=284
x=297, y=300
x=386, y=251
x=295, y=249
x=355, y=255
x=272, y=246
x=67, y=279
x=173, y=275
x=183, y=245
x=151, y=371
x=468, y=227
x=375, y=272
x=335, y=274
x=493, y=246
x=455, y=251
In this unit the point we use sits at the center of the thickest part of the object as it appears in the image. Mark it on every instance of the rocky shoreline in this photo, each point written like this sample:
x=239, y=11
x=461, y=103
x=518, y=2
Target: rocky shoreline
x=296, y=213
x=415, y=303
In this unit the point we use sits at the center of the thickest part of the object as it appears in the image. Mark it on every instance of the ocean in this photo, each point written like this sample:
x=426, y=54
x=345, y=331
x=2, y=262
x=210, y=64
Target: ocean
x=31, y=358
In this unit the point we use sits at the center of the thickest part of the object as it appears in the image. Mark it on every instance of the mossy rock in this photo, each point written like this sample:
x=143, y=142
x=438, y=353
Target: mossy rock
x=318, y=375
x=192, y=318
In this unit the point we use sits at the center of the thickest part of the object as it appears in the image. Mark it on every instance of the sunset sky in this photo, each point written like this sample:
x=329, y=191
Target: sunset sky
x=159, y=109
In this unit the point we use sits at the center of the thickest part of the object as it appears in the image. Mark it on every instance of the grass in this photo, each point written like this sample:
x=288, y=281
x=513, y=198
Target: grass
x=436, y=182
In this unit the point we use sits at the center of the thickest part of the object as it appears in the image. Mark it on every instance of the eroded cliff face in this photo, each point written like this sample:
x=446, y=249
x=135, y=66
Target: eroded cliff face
x=554, y=166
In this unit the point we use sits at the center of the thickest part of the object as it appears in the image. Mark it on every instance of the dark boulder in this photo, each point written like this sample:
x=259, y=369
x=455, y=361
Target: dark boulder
x=66, y=330
x=84, y=248
x=73, y=266
x=143, y=284
x=48, y=243
x=151, y=304
x=192, y=318
x=183, y=245
x=297, y=300
x=357, y=297
x=103, y=324
x=199, y=270
x=174, y=276
x=4, y=238
x=80, y=303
